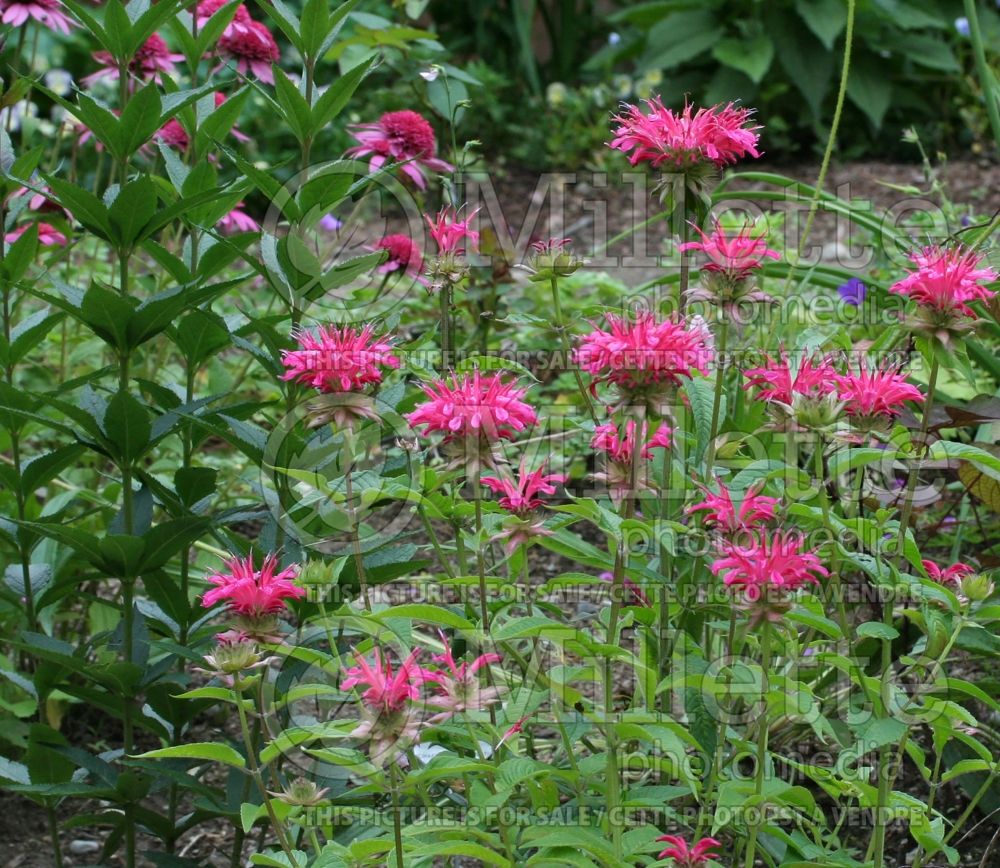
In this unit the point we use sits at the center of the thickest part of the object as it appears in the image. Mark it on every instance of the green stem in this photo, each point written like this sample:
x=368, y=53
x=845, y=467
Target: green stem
x=884, y=754
x=276, y=824
x=352, y=514
x=986, y=78
x=445, y=325
x=720, y=384
x=50, y=810
x=567, y=353
x=397, y=820
x=762, y=734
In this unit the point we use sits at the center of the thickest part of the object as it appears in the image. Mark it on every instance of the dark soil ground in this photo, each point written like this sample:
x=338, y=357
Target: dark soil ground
x=24, y=841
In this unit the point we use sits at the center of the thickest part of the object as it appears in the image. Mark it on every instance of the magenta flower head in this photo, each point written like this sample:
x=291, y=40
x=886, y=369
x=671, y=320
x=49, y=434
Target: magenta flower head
x=874, y=396
x=766, y=568
x=754, y=510
x=694, y=142
x=520, y=498
x=254, y=595
x=340, y=363
x=449, y=232
x=253, y=48
x=727, y=277
x=48, y=235
x=237, y=220
x=457, y=686
x=474, y=412
x=339, y=359
x=947, y=575
x=152, y=59
x=48, y=13
x=945, y=282
x=403, y=255
x=688, y=856
x=619, y=474
x=552, y=258
x=801, y=392
x=388, y=718
x=403, y=137
x=645, y=358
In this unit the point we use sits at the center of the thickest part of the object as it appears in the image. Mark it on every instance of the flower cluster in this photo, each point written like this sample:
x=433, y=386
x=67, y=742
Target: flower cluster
x=339, y=359
x=643, y=355
x=403, y=137
x=688, y=855
x=623, y=474
x=520, y=498
x=718, y=136
x=721, y=513
x=733, y=260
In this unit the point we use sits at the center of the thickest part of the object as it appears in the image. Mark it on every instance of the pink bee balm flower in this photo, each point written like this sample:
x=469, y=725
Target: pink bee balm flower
x=813, y=379
x=621, y=449
x=634, y=354
x=387, y=692
x=152, y=59
x=457, y=685
x=734, y=256
x=404, y=255
x=475, y=405
x=948, y=575
x=717, y=135
x=46, y=12
x=754, y=509
x=251, y=592
x=521, y=495
x=404, y=137
x=766, y=563
x=877, y=392
x=339, y=359
x=237, y=221
x=48, y=235
x=448, y=231
x=946, y=280
x=253, y=48
x=685, y=856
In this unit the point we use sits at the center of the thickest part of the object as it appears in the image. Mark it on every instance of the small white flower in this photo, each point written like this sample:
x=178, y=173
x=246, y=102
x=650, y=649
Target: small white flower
x=431, y=73
x=59, y=81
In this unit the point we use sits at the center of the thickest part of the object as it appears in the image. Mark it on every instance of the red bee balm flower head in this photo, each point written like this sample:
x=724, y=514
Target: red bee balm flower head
x=754, y=509
x=448, y=230
x=457, y=685
x=872, y=397
x=48, y=13
x=404, y=254
x=388, y=718
x=521, y=496
x=387, y=692
x=339, y=359
x=253, y=48
x=766, y=569
x=726, y=278
x=734, y=255
x=404, y=137
x=521, y=499
x=804, y=394
x=153, y=58
x=686, y=856
x=619, y=474
x=945, y=281
x=948, y=575
x=717, y=136
x=475, y=405
x=645, y=357
x=250, y=592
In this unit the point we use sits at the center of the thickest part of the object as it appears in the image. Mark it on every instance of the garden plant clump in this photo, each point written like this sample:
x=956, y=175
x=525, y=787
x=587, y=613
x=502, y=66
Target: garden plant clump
x=345, y=526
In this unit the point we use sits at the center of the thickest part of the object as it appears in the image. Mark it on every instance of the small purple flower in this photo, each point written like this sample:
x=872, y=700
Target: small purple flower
x=329, y=223
x=853, y=292
x=966, y=221
x=962, y=26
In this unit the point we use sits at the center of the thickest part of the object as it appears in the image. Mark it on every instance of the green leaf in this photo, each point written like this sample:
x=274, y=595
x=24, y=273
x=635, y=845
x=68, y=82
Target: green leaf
x=213, y=751
x=870, y=89
x=141, y=118
x=107, y=314
x=155, y=315
x=878, y=630
x=132, y=210
x=808, y=64
x=127, y=426
x=428, y=614
x=20, y=255
x=85, y=207
x=294, y=108
x=751, y=56
x=336, y=96
x=825, y=18
x=680, y=36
